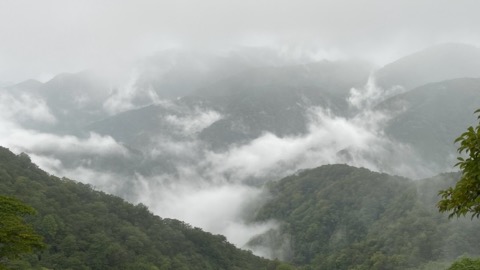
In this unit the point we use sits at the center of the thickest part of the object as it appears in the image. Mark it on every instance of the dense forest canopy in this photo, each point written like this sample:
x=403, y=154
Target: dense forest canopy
x=342, y=217
x=16, y=236
x=88, y=229
x=266, y=134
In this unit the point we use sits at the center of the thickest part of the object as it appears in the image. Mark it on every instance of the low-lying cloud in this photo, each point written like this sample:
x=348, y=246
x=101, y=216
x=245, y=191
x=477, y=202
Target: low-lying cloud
x=371, y=95
x=330, y=139
x=195, y=122
x=215, y=190
x=37, y=142
x=126, y=95
x=25, y=107
x=216, y=207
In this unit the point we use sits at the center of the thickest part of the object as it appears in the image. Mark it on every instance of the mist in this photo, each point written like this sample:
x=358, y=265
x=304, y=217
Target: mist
x=218, y=190
x=144, y=99
x=40, y=40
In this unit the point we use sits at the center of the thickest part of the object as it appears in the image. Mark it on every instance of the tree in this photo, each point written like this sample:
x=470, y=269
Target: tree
x=465, y=264
x=16, y=236
x=464, y=198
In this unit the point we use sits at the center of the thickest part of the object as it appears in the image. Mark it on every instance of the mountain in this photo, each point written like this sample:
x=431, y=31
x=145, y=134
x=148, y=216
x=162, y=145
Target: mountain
x=75, y=99
x=28, y=85
x=141, y=132
x=250, y=103
x=232, y=101
x=277, y=100
x=331, y=217
x=176, y=73
x=342, y=217
x=434, y=64
x=87, y=229
x=429, y=118
x=72, y=100
x=240, y=108
x=231, y=111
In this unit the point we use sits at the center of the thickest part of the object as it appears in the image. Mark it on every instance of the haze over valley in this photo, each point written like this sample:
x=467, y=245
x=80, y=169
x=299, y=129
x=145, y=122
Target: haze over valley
x=251, y=132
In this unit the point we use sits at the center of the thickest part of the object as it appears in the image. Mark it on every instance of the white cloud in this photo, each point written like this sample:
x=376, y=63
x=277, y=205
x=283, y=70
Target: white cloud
x=38, y=143
x=217, y=208
x=121, y=97
x=271, y=154
x=166, y=147
x=25, y=107
x=213, y=190
x=371, y=94
x=105, y=181
x=330, y=139
x=195, y=121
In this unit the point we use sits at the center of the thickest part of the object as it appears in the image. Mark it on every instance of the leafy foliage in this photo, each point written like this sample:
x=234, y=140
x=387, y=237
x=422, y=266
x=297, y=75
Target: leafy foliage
x=465, y=264
x=465, y=196
x=16, y=236
x=88, y=229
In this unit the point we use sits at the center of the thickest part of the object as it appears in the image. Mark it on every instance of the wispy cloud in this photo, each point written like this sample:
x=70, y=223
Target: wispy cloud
x=330, y=139
x=214, y=190
x=126, y=95
x=25, y=107
x=196, y=122
x=371, y=95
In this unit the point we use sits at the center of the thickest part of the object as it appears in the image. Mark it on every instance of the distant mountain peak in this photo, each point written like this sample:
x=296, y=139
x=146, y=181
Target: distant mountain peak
x=437, y=63
x=26, y=85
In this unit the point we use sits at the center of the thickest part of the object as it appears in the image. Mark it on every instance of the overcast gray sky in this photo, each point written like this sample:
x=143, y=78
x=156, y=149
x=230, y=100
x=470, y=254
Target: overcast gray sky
x=41, y=38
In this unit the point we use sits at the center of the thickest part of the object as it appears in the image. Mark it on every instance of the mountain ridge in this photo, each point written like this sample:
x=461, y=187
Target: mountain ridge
x=342, y=217
x=84, y=228
x=441, y=62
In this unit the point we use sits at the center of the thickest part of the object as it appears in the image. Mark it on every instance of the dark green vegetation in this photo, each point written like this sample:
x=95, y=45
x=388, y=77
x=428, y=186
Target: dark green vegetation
x=333, y=217
x=342, y=217
x=88, y=229
x=464, y=197
x=16, y=236
x=465, y=264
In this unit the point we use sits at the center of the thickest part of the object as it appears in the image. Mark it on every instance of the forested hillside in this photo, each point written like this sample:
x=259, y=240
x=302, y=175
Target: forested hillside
x=331, y=217
x=87, y=229
x=342, y=217
x=223, y=135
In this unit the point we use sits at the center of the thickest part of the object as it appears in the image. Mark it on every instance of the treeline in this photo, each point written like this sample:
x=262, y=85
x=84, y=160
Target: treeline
x=341, y=217
x=87, y=229
x=332, y=217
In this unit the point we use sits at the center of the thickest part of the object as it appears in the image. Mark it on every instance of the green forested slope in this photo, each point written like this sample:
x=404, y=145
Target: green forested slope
x=341, y=217
x=88, y=229
x=331, y=217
